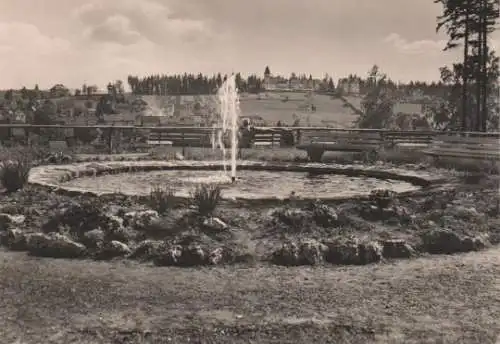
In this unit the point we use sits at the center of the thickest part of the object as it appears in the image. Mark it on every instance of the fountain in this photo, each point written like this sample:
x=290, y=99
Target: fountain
x=262, y=180
x=229, y=110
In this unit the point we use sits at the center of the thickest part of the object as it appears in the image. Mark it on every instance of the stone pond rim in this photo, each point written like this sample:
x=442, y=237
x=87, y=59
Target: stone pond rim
x=51, y=176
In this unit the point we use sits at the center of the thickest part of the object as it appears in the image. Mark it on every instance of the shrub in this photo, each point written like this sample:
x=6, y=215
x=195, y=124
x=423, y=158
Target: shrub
x=78, y=218
x=161, y=198
x=295, y=219
x=206, y=197
x=322, y=214
x=382, y=198
x=14, y=174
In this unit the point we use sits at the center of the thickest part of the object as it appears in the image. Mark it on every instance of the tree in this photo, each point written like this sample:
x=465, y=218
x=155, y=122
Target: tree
x=267, y=71
x=24, y=93
x=445, y=113
x=377, y=105
x=470, y=22
x=486, y=14
x=456, y=20
x=45, y=114
x=36, y=91
x=9, y=95
x=331, y=86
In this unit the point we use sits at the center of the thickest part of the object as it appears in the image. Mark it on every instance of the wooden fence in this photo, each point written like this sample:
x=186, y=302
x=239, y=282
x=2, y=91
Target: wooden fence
x=113, y=134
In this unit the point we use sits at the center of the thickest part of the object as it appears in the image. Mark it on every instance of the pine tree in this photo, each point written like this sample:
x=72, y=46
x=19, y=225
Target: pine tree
x=456, y=20
x=471, y=22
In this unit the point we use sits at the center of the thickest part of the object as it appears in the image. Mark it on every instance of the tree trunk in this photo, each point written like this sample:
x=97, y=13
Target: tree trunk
x=479, y=69
x=465, y=71
x=484, y=72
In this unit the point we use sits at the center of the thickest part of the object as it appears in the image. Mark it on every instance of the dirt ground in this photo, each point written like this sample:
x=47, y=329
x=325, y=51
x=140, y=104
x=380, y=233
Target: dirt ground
x=445, y=299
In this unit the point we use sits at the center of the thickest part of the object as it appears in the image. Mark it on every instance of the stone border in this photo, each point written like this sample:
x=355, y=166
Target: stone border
x=51, y=176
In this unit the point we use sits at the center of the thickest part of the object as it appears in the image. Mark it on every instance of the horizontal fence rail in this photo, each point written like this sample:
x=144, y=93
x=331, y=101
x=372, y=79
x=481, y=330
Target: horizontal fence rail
x=132, y=127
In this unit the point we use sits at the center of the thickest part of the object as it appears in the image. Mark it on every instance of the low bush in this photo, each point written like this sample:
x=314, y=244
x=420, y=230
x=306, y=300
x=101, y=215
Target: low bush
x=14, y=174
x=161, y=198
x=206, y=197
x=322, y=214
x=382, y=198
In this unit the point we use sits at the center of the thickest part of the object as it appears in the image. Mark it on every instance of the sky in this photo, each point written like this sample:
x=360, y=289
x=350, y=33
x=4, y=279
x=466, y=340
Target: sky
x=90, y=41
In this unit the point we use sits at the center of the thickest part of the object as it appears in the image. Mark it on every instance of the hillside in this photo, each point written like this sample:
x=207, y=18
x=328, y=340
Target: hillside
x=408, y=108
x=272, y=107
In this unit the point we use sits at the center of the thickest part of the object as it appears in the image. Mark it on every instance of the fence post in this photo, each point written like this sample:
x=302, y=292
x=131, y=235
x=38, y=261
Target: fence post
x=183, y=144
x=110, y=141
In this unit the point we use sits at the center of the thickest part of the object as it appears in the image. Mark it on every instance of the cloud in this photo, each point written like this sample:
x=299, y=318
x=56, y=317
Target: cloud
x=419, y=47
x=116, y=29
x=130, y=21
x=23, y=38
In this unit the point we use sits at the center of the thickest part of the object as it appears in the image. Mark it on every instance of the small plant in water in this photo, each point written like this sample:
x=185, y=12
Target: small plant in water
x=161, y=198
x=14, y=174
x=206, y=197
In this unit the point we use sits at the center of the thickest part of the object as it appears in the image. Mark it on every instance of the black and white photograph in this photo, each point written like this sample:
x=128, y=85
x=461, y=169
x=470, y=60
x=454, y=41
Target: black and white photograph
x=246, y=172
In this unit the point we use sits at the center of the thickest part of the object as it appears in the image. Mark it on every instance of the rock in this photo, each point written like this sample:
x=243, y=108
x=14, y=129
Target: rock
x=14, y=239
x=396, y=214
x=171, y=256
x=141, y=220
x=291, y=217
x=312, y=252
x=54, y=245
x=445, y=241
x=481, y=241
x=193, y=255
x=179, y=156
x=122, y=234
x=462, y=212
x=346, y=253
x=147, y=250
x=216, y=257
x=7, y=220
x=324, y=215
x=58, y=158
x=81, y=218
x=476, y=243
x=442, y=241
x=115, y=221
x=113, y=249
x=214, y=224
x=397, y=248
x=288, y=254
x=370, y=252
x=94, y=239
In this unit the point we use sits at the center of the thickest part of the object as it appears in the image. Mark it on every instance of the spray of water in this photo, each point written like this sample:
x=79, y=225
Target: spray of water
x=229, y=109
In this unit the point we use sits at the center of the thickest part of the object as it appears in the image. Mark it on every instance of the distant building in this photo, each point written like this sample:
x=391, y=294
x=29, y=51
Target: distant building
x=58, y=91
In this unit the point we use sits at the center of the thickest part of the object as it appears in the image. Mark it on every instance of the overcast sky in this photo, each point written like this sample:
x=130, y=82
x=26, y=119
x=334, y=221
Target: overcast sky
x=77, y=41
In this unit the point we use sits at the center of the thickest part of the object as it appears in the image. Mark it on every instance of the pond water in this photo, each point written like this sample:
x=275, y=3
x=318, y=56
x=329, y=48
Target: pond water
x=249, y=185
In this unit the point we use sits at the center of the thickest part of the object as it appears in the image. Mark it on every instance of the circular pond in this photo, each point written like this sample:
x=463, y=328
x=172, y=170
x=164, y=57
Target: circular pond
x=251, y=184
